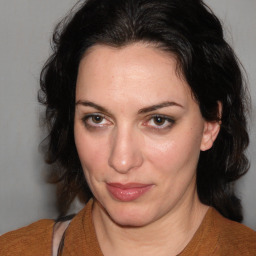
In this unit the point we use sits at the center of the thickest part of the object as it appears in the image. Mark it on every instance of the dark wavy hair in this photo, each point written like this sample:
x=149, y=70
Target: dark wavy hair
x=189, y=30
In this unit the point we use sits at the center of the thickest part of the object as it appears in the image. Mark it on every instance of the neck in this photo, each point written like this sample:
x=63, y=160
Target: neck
x=166, y=236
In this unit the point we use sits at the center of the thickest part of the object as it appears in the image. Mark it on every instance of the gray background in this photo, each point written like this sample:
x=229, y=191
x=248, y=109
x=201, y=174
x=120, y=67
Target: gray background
x=25, y=30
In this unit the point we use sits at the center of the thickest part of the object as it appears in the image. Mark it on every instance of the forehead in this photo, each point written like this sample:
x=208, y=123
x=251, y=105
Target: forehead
x=139, y=71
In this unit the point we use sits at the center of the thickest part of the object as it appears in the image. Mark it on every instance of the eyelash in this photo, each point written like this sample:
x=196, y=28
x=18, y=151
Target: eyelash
x=90, y=116
x=166, y=120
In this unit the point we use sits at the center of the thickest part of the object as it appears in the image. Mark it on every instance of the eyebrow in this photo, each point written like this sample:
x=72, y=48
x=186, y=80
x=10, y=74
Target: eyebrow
x=141, y=111
x=158, y=106
x=91, y=104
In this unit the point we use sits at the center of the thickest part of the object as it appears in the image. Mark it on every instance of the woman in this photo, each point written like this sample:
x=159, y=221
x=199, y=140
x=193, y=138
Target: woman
x=147, y=116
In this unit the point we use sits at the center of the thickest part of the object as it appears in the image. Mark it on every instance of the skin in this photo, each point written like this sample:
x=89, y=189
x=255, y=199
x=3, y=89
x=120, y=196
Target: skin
x=120, y=139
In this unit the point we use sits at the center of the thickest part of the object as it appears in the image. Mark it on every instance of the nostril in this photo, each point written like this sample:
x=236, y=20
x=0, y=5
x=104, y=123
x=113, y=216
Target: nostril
x=124, y=162
x=125, y=150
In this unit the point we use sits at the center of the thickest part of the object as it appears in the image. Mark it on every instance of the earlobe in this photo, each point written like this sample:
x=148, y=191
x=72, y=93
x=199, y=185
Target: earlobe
x=211, y=131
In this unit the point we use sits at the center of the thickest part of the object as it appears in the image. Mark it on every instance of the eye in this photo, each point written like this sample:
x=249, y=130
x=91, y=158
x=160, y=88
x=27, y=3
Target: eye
x=95, y=120
x=159, y=122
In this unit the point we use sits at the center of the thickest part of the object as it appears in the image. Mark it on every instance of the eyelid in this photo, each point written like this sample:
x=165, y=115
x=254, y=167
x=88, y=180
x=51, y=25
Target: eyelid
x=168, y=121
x=95, y=125
x=167, y=118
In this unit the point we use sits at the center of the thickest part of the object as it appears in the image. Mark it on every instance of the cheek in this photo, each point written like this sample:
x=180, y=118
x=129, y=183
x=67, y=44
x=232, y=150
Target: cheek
x=92, y=152
x=180, y=151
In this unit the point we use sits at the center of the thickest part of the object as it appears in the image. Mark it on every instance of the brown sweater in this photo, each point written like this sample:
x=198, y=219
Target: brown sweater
x=215, y=236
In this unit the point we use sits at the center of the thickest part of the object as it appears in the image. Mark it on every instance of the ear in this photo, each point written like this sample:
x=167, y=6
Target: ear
x=211, y=131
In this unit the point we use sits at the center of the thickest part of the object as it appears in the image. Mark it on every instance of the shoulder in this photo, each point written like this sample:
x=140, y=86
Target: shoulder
x=35, y=239
x=234, y=236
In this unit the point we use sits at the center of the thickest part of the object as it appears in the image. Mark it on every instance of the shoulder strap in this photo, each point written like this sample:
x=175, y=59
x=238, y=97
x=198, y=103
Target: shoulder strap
x=58, y=236
x=59, y=230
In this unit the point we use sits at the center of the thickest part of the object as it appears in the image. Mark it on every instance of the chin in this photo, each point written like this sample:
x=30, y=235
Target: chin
x=130, y=216
x=129, y=221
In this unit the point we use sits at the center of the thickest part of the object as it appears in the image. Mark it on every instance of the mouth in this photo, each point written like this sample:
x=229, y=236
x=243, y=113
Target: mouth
x=127, y=192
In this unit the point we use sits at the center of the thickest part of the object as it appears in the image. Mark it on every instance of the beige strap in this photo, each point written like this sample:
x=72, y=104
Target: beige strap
x=58, y=232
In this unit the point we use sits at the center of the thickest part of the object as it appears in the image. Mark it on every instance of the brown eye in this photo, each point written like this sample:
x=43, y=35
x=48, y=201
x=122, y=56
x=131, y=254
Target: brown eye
x=158, y=120
x=97, y=119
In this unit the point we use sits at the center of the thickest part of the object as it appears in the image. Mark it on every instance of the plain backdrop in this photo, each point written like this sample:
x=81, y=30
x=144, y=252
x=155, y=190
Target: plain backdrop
x=25, y=30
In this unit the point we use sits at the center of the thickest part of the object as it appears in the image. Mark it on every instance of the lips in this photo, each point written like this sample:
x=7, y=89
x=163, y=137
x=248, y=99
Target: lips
x=127, y=192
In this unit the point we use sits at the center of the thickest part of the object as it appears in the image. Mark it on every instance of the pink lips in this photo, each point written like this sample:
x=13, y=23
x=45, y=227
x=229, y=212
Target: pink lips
x=127, y=192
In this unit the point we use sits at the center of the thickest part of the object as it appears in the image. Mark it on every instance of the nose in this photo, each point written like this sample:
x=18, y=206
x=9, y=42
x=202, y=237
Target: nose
x=125, y=153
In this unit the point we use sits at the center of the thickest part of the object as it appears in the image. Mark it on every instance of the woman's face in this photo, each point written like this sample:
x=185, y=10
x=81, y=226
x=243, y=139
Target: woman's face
x=138, y=132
